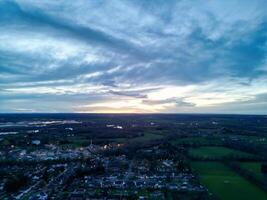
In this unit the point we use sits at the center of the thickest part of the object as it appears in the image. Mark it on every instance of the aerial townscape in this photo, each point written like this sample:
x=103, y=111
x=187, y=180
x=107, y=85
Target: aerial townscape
x=133, y=99
x=107, y=156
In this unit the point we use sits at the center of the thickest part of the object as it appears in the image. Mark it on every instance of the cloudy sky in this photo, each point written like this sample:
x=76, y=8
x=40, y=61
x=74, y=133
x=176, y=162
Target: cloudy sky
x=177, y=56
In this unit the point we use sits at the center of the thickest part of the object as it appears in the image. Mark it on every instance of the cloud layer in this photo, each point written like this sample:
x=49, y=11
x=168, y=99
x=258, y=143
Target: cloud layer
x=133, y=56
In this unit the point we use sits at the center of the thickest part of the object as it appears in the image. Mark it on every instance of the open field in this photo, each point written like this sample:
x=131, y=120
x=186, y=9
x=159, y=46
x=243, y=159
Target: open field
x=254, y=167
x=225, y=183
x=147, y=137
x=144, y=138
x=217, y=152
x=197, y=141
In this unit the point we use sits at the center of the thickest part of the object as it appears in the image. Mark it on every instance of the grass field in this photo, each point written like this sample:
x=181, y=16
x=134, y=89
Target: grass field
x=145, y=138
x=254, y=167
x=191, y=140
x=226, y=184
x=197, y=141
x=217, y=152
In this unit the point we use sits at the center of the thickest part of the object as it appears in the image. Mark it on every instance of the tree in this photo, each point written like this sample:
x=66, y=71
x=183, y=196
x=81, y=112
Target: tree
x=264, y=168
x=14, y=183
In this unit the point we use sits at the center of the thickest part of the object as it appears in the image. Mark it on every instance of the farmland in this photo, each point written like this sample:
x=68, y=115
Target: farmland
x=217, y=152
x=226, y=184
x=254, y=167
x=146, y=137
x=197, y=141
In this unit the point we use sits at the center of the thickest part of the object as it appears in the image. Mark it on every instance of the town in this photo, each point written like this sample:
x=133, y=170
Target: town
x=122, y=157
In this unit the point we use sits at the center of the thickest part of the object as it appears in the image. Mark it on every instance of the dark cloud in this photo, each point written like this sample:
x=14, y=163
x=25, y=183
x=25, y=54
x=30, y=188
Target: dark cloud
x=128, y=94
x=141, y=93
x=127, y=45
x=39, y=20
x=179, y=102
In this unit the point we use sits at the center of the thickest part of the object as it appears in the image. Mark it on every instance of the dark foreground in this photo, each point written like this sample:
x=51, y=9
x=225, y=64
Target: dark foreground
x=106, y=156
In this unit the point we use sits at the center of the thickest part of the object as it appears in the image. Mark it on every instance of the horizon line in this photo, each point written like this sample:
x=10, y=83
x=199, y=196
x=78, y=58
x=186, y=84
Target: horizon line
x=117, y=113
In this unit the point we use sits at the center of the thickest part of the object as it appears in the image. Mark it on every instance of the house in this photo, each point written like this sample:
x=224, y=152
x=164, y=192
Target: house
x=40, y=196
x=157, y=195
x=36, y=142
x=76, y=196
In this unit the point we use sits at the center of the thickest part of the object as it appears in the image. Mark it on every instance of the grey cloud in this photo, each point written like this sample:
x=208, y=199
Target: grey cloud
x=140, y=93
x=39, y=20
x=152, y=42
x=179, y=102
x=196, y=60
x=128, y=94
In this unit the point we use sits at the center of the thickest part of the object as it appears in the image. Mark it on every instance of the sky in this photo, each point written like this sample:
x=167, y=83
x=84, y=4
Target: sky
x=136, y=56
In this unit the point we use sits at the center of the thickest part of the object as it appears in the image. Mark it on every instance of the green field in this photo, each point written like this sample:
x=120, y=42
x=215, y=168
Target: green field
x=254, y=167
x=197, y=141
x=217, y=152
x=190, y=141
x=145, y=138
x=226, y=184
